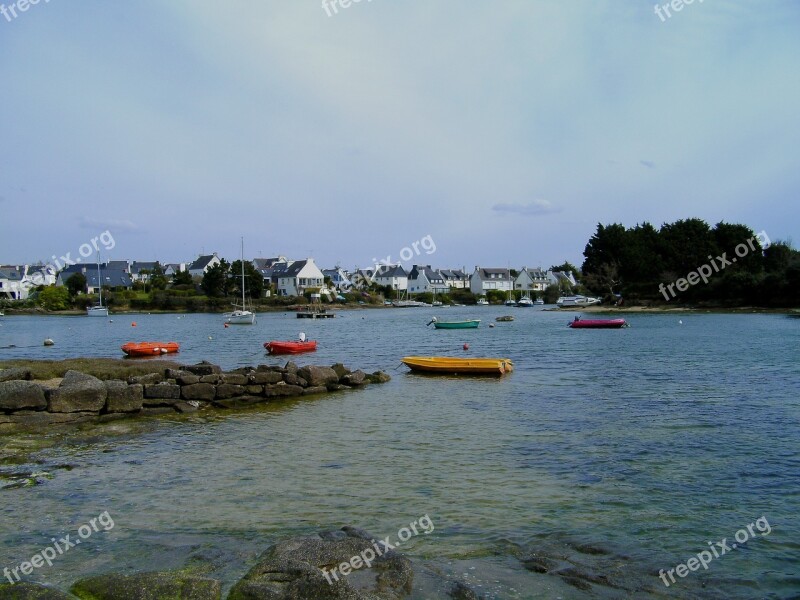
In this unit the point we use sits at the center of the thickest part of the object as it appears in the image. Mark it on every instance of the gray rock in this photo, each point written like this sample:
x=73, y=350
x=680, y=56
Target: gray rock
x=263, y=377
x=123, y=398
x=379, y=377
x=78, y=392
x=239, y=402
x=215, y=379
x=21, y=395
x=318, y=375
x=273, y=391
x=148, y=586
x=336, y=387
x=31, y=591
x=292, y=379
x=15, y=374
x=187, y=407
x=229, y=390
x=355, y=378
x=254, y=390
x=162, y=391
x=320, y=389
x=149, y=379
x=199, y=391
x=203, y=368
x=188, y=379
x=293, y=570
x=290, y=367
x=235, y=378
x=340, y=369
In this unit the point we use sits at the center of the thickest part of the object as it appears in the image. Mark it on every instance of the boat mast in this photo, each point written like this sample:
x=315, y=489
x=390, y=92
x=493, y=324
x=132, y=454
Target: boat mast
x=243, y=307
x=99, y=279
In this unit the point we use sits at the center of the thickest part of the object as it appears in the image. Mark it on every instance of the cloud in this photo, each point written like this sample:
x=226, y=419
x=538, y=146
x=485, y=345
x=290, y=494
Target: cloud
x=648, y=163
x=537, y=207
x=112, y=225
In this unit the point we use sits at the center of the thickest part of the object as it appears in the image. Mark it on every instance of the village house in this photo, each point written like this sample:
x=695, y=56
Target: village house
x=422, y=278
x=202, y=264
x=299, y=277
x=394, y=276
x=484, y=280
x=532, y=280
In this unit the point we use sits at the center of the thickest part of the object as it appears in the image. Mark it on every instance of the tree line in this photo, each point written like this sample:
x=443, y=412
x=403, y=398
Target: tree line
x=724, y=265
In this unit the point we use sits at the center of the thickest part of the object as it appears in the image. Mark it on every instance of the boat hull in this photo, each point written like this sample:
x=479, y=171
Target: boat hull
x=449, y=365
x=240, y=317
x=150, y=348
x=278, y=347
x=598, y=324
x=97, y=311
x=457, y=324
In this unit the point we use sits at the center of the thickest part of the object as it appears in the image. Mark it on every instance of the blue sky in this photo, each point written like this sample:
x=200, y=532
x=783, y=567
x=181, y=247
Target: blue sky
x=504, y=130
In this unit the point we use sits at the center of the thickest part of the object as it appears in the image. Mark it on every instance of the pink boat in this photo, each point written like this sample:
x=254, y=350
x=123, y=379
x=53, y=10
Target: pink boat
x=579, y=323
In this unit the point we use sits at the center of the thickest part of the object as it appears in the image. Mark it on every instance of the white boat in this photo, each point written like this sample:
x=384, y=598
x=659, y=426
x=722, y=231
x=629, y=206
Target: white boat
x=98, y=310
x=525, y=301
x=539, y=302
x=577, y=301
x=241, y=316
x=483, y=302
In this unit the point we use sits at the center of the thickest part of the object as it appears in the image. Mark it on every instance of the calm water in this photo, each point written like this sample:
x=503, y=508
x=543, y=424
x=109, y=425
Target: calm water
x=647, y=442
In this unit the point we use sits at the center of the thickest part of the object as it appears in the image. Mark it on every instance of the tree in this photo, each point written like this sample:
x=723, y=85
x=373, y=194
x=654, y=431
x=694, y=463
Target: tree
x=158, y=281
x=54, y=298
x=567, y=266
x=215, y=280
x=182, y=278
x=254, y=281
x=76, y=284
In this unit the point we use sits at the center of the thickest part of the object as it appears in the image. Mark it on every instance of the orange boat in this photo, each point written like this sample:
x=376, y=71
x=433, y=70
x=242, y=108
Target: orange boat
x=150, y=348
x=277, y=347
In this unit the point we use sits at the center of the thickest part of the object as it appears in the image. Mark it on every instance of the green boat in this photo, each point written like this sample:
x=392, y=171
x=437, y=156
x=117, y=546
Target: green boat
x=472, y=324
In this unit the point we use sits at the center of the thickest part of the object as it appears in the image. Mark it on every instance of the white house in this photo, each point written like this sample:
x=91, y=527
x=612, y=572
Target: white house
x=300, y=276
x=422, y=278
x=394, y=276
x=340, y=279
x=203, y=263
x=562, y=278
x=532, y=280
x=11, y=286
x=483, y=280
x=455, y=278
x=170, y=269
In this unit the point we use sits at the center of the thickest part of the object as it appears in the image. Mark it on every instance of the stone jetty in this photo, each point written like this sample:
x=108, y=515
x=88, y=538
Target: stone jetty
x=80, y=397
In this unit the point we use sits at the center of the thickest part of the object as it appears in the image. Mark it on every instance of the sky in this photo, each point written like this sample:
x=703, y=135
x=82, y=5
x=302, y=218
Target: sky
x=503, y=132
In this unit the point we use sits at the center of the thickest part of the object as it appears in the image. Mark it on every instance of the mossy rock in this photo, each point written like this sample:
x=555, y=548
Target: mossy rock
x=148, y=586
x=31, y=591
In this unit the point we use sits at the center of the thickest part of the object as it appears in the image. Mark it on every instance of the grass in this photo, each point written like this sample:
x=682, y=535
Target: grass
x=102, y=368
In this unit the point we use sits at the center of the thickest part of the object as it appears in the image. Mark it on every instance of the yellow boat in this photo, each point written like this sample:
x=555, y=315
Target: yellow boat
x=450, y=364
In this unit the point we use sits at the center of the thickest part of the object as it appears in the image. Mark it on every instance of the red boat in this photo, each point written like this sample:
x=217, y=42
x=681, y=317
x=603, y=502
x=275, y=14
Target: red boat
x=579, y=323
x=276, y=347
x=150, y=348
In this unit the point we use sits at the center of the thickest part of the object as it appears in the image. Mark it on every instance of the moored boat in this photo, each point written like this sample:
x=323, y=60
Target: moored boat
x=579, y=323
x=525, y=301
x=482, y=301
x=453, y=365
x=469, y=324
x=567, y=301
x=150, y=348
x=538, y=302
x=290, y=347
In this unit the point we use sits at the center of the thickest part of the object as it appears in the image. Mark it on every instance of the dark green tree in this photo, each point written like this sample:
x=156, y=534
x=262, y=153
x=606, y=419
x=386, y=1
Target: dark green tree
x=76, y=284
x=182, y=278
x=254, y=281
x=215, y=280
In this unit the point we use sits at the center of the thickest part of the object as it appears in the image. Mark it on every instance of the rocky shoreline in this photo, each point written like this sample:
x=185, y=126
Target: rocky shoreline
x=27, y=404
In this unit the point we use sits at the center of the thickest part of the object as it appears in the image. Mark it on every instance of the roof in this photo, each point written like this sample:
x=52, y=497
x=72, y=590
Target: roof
x=499, y=274
x=294, y=268
x=138, y=267
x=391, y=271
x=266, y=263
x=121, y=265
x=452, y=273
x=202, y=262
x=109, y=277
x=429, y=273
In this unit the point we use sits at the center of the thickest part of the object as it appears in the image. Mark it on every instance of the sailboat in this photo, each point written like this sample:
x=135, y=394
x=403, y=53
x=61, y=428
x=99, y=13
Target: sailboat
x=98, y=310
x=241, y=316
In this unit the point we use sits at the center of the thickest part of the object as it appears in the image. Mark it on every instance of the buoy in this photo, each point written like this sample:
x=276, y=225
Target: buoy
x=49, y=342
x=226, y=325
x=111, y=320
x=491, y=325
x=211, y=338
x=133, y=324
x=466, y=346
x=680, y=322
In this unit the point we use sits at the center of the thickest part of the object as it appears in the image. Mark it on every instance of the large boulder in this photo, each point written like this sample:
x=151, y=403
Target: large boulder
x=123, y=398
x=161, y=391
x=340, y=369
x=31, y=591
x=148, y=379
x=278, y=390
x=203, y=368
x=318, y=375
x=235, y=378
x=15, y=373
x=21, y=395
x=264, y=377
x=198, y=391
x=148, y=586
x=355, y=378
x=78, y=392
x=310, y=567
x=229, y=390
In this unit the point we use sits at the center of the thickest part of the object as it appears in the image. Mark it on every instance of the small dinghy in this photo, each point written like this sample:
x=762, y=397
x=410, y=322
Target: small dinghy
x=291, y=347
x=579, y=323
x=449, y=365
x=150, y=348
